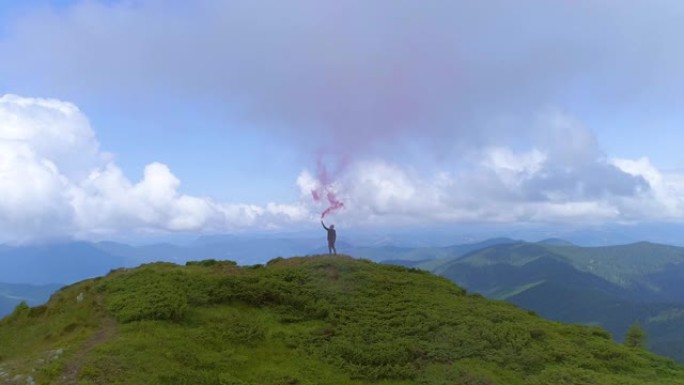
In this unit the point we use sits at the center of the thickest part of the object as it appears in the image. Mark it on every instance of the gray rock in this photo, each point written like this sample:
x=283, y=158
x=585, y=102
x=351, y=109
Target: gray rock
x=54, y=354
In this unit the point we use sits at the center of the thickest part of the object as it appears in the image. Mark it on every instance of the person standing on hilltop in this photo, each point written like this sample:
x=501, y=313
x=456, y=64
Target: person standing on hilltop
x=332, y=236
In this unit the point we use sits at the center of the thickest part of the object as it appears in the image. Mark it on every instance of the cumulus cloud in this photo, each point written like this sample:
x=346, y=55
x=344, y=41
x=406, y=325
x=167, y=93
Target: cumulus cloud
x=665, y=197
x=55, y=130
x=94, y=198
x=575, y=167
x=552, y=182
x=56, y=183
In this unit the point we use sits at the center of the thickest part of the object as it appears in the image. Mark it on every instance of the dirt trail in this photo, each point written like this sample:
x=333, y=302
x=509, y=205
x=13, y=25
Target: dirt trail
x=72, y=368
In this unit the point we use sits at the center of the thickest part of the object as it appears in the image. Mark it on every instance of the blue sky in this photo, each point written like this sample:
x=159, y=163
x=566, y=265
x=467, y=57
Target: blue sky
x=150, y=116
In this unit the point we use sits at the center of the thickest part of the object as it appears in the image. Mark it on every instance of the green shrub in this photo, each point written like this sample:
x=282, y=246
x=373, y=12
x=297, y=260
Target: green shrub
x=205, y=262
x=146, y=295
x=190, y=377
x=635, y=337
x=21, y=309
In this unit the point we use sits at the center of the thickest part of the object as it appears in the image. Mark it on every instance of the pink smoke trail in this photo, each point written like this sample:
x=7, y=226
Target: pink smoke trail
x=325, y=189
x=335, y=204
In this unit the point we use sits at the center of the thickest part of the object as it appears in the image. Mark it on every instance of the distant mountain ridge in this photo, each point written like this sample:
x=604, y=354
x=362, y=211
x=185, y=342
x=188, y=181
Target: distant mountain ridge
x=440, y=254
x=555, y=242
x=55, y=263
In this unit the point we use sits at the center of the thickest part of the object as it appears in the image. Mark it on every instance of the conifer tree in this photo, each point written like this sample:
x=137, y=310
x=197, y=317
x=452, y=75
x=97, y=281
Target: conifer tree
x=636, y=336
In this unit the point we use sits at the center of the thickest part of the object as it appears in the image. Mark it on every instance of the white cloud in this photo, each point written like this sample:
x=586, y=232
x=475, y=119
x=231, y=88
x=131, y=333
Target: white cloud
x=56, y=183
x=54, y=130
x=664, y=199
x=33, y=195
x=564, y=178
x=41, y=138
x=513, y=169
x=385, y=194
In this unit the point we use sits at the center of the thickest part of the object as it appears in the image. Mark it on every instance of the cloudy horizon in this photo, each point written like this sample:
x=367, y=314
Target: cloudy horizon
x=127, y=117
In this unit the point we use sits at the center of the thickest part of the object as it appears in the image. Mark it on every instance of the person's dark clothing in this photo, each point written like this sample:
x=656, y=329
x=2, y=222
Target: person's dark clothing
x=332, y=237
x=332, y=234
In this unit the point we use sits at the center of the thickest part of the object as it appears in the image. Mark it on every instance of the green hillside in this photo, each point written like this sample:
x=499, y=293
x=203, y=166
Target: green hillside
x=624, y=265
x=610, y=286
x=430, y=255
x=632, y=265
x=313, y=320
x=643, y=271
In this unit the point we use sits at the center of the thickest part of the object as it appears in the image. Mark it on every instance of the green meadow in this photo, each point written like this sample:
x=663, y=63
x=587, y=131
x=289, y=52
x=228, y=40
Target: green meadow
x=303, y=320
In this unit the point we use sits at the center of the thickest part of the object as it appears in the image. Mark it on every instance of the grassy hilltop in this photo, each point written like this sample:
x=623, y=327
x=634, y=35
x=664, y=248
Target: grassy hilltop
x=308, y=320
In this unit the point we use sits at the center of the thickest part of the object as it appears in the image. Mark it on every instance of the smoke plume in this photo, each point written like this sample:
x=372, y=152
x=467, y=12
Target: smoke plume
x=325, y=190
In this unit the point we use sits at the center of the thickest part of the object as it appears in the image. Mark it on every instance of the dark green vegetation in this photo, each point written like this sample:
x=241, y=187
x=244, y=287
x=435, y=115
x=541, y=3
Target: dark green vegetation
x=610, y=286
x=314, y=320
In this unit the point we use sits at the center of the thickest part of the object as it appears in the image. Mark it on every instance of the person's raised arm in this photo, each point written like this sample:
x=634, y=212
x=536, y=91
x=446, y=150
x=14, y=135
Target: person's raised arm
x=324, y=225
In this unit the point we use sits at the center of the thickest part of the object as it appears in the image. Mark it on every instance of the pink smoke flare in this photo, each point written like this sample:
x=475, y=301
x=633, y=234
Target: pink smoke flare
x=325, y=189
x=335, y=204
